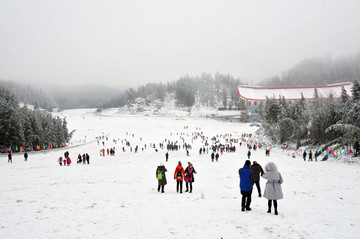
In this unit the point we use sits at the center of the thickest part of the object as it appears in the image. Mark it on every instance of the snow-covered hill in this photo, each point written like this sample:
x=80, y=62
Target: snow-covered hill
x=168, y=107
x=116, y=196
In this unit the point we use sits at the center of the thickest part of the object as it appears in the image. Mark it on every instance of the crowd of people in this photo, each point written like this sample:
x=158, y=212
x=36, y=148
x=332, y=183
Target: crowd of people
x=179, y=175
x=66, y=161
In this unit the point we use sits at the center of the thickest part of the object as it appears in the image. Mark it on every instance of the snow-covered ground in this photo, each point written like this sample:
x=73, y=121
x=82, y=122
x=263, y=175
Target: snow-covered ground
x=116, y=197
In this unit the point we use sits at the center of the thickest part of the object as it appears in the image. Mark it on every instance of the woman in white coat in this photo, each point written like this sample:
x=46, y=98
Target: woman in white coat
x=273, y=191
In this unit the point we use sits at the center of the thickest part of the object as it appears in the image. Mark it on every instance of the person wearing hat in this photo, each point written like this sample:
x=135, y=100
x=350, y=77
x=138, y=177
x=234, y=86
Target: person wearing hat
x=246, y=183
x=257, y=169
x=179, y=176
x=160, y=175
x=189, y=176
x=273, y=190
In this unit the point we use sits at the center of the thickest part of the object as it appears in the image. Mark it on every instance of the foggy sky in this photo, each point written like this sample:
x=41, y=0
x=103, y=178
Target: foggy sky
x=128, y=43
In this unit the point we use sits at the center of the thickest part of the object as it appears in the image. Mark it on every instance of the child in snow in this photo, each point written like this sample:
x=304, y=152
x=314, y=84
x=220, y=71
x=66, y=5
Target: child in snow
x=273, y=191
x=60, y=160
x=68, y=161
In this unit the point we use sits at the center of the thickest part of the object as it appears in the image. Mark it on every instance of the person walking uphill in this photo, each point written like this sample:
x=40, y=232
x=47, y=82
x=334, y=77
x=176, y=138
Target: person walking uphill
x=9, y=157
x=189, y=176
x=273, y=191
x=257, y=169
x=179, y=176
x=246, y=182
x=160, y=175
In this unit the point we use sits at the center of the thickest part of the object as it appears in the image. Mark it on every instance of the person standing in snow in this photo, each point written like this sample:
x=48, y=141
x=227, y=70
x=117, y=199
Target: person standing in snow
x=310, y=156
x=10, y=157
x=249, y=154
x=304, y=155
x=217, y=157
x=212, y=156
x=68, y=161
x=160, y=175
x=60, y=160
x=167, y=156
x=257, y=170
x=79, y=159
x=189, y=176
x=87, y=158
x=25, y=156
x=179, y=176
x=273, y=191
x=246, y=183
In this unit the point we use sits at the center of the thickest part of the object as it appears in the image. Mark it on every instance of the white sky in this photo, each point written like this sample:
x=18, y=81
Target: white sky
x=127, y=43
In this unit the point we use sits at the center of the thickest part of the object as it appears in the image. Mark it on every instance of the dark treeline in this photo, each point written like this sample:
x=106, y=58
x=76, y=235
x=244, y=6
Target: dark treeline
x=28, y=95
x=205, y=90
x=316, y=71
x=23, y=127
x=314, y=122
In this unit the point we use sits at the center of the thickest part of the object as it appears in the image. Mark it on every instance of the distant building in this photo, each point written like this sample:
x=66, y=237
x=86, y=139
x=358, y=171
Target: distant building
x=253, y=96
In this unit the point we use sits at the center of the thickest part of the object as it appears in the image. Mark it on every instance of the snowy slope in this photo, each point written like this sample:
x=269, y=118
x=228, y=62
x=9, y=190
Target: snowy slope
x=116, y=197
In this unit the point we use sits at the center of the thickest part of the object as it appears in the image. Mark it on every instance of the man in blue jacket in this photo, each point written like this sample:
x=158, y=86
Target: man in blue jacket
x=246, y=182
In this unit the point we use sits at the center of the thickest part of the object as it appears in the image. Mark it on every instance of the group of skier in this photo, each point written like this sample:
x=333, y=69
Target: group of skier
x=179, y=175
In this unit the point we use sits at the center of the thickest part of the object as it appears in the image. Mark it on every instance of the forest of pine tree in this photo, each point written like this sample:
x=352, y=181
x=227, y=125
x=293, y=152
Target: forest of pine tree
x=28, y=95
x=26, y=128
x=314, y=122
x=208, y=90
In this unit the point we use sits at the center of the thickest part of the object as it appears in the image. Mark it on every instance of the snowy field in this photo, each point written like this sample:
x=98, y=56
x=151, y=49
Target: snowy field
x=116, y=196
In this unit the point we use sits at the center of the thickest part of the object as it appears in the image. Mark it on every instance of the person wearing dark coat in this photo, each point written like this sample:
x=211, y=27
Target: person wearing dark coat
x=246, y=183
x=310, y=156
x=25, y=156
x=160, y=175
x=189, y=176
x=217, y=157
x=167, y=156
x=212, y=156
x=249, y=154
x=257, y=169
x=9, y=157
x=87, y=158
x=304, y=155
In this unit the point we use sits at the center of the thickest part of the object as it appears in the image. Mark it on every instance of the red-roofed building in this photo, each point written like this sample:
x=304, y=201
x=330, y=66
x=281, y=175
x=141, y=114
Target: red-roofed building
x=254, y=95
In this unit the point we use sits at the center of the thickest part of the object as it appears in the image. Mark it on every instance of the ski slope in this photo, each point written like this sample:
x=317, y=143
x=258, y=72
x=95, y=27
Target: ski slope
x=116, y=196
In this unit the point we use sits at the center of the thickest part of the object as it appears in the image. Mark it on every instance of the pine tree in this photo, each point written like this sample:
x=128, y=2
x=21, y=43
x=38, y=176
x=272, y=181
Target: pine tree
x=344, y=97
x=356, y=91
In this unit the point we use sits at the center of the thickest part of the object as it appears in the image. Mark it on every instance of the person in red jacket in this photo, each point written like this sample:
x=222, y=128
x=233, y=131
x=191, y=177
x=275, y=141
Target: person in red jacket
x=179, y=176
x=68, y=161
